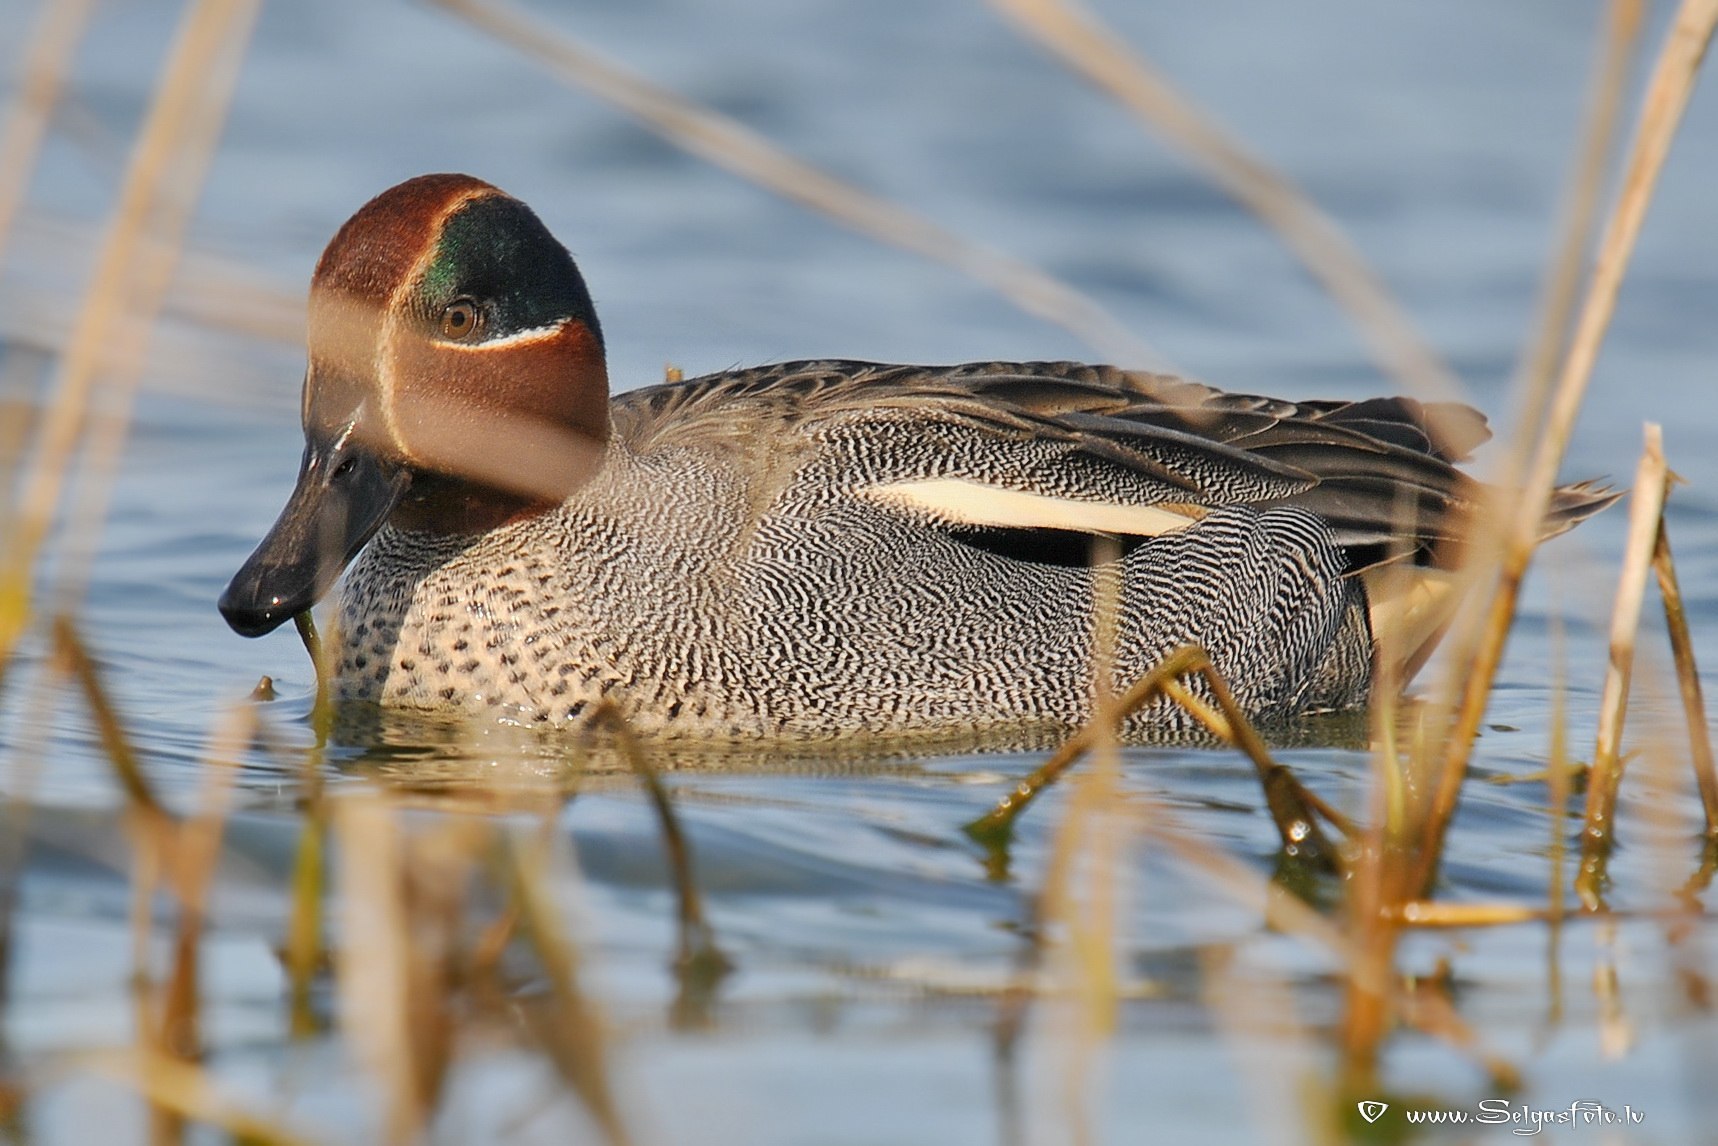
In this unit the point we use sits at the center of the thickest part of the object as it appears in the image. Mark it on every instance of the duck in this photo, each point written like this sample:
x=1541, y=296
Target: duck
x=818, y=549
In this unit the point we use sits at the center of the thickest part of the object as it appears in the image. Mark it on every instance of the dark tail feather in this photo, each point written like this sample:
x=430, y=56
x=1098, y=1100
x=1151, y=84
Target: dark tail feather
x=1573, y=504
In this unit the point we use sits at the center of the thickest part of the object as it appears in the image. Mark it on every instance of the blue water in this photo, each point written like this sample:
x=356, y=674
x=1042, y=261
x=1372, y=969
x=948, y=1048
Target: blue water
x=864, y=930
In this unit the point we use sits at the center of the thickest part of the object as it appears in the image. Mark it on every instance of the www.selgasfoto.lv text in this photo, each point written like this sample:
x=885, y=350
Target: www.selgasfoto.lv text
x=1522, y=1119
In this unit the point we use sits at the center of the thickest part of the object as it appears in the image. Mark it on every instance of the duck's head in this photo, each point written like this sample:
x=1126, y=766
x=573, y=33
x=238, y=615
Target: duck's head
x=456, y=381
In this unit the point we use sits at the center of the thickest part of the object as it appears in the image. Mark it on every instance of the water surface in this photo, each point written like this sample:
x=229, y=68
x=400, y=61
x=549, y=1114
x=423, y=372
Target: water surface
x=868, y=939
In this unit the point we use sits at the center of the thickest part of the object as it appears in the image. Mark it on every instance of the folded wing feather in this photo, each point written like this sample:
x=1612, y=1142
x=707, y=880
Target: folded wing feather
x=1066, y=448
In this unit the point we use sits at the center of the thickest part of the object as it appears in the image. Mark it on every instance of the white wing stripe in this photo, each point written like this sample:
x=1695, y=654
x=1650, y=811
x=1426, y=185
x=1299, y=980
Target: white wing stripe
x=974, y=503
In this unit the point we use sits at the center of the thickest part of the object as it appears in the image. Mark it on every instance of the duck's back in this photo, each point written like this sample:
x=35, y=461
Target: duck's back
x=999, y=452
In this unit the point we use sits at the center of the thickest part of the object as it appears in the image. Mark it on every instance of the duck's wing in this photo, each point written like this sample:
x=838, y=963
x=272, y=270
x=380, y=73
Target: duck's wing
x=1029, y=458
x=1069, y=448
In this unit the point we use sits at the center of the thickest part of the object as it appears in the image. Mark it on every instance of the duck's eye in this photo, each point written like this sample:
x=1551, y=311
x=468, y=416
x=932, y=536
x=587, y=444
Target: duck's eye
x=460, y=320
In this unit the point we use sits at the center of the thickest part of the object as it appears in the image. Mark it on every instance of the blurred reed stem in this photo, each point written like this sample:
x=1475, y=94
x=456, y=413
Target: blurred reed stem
x=304, y=949
x=1273, y=1047
x=183, y=853
x=571, y=1031
x=1561, y=771
x=195, y=854
x=47, y=56
x=388, y=967
x=155, y=201
x=1072, y=32
x=1483, y=631
x=192, y=1093
x=730, y=145
x=108, y=342
x=1081, y=904
x=1619, y=41
x=69, y=650
x=225, y=32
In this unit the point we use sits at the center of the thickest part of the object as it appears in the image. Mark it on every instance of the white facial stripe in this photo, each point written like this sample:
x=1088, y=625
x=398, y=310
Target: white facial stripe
x=346, y=432
x=974, y=503
x=519, y=338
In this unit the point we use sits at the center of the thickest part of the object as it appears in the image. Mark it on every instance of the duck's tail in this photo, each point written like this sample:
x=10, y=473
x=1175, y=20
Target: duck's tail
x=1573, y=504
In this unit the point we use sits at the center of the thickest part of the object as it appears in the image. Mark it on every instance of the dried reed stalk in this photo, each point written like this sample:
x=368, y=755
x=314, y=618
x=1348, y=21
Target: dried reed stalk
x=1432, y=1012
x=1292, y=806
x=1078, y=894
x=1256, y=1016
x=570, y=1028
x=1082, y=903
x=1559, y=778
x=161, y=180
x=373, y=959
x=728, y=144
x=1374, y=891
x=191, y=1092
x=304, y=946
x=1485, y=630
x=209, y=290
x=165, y=1025
x=1646, y=513
x=1279, y=909
x=1619, y=39
x=224, y=26
x=196, y=853
x=1430, y=913
x=699, y=963
x=1397, y=864
x=70, y=651
x=1687, y=678
x=1075, y=34
x=71, y=660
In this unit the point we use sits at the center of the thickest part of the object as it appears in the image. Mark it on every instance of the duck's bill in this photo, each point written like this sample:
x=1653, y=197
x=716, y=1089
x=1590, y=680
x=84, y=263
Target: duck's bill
x=344, y=494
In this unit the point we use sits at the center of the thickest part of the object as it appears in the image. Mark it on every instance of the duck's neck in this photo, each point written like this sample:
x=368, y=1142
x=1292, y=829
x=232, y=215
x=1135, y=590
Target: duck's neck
x=451, y=506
